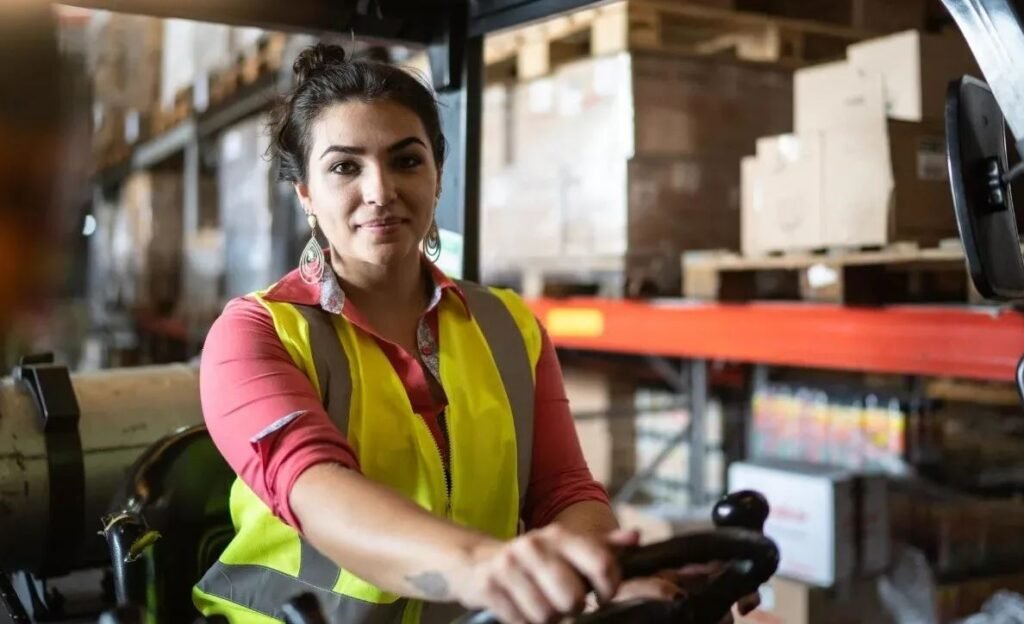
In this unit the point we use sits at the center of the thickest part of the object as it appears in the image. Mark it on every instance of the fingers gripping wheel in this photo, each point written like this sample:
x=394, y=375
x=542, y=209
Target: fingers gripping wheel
x=752, y=559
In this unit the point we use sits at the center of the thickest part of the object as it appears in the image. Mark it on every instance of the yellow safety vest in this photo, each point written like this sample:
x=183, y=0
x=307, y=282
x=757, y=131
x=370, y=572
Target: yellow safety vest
x=486, y=369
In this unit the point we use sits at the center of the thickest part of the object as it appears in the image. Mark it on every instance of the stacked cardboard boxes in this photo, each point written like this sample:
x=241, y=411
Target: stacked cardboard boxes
x=146, y=242
x=598, y=400
x=194, y=50
x=246, y=189
x=866, y=164
x=126, y=71
x=630, y=156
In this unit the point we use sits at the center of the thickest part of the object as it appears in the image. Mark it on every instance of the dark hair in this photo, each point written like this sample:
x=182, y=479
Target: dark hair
x=324, y=76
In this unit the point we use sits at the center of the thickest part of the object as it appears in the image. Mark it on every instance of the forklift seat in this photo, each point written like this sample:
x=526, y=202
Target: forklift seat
x=169, y=523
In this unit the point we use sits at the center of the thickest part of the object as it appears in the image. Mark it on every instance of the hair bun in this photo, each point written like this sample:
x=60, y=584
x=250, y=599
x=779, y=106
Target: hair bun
x=315, y=59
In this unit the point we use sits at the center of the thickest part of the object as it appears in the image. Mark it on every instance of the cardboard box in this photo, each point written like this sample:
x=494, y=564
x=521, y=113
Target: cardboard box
x=608, y=443
x=831, y=524
x=697, y=107
x=785, y=601
x=148, y=241
x=812, y=519
x=885, y=182
x=128, y=61
x=246, y=188
x=836, y=95
x=916, y=69
x=781, y=195
x=658, y=178
x=869, y=184
x=875, y=541
x=496, y=152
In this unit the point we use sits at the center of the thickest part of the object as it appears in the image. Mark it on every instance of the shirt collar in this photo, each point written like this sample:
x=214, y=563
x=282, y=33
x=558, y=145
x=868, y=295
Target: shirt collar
x=330, y=297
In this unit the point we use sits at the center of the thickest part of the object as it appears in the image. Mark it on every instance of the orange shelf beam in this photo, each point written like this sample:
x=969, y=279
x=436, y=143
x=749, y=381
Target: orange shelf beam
x=970, y=343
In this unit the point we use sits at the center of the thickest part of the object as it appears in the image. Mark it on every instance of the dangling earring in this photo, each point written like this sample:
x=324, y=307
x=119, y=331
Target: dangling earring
x=432, y=243
x=311, y=264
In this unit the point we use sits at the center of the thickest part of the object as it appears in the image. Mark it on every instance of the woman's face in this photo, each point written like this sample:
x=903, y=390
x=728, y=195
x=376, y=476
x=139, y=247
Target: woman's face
x=371, y=181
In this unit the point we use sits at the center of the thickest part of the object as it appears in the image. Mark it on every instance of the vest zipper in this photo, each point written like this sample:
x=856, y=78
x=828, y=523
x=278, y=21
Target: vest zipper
x=445, y=466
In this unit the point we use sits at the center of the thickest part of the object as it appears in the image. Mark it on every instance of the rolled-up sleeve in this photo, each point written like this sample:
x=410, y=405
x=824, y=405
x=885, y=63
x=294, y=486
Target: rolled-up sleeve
x=559, y=476
x=262, y=412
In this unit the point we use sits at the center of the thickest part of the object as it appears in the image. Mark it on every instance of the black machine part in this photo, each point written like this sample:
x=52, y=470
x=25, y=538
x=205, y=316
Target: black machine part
x=980, y=179
x=65, y=443
x=753, y=559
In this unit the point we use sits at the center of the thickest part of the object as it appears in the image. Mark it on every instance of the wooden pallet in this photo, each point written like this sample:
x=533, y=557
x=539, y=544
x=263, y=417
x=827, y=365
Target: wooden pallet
x=556, y=279
x=613, y=276
x=665, y=26
x=899, y=273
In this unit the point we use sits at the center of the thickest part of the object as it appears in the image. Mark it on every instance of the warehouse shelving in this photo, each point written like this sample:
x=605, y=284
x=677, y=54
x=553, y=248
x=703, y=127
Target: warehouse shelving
x=983, y=343
x=678, y=338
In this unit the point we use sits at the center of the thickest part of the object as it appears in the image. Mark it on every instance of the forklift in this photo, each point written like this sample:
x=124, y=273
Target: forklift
x=158, y=496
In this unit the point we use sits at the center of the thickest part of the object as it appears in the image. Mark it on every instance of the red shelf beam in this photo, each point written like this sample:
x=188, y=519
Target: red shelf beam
x=970, y=343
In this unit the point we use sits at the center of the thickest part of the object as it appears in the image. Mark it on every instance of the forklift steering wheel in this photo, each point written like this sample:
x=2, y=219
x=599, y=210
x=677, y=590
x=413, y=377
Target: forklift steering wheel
x=751, y=560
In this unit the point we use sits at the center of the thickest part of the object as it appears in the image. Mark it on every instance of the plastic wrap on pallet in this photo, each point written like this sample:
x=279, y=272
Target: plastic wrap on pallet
x=659, y=178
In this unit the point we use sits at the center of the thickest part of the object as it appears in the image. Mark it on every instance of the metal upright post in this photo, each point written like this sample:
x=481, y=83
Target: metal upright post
x=698, y=372
x=190, y=222
x=458, y=210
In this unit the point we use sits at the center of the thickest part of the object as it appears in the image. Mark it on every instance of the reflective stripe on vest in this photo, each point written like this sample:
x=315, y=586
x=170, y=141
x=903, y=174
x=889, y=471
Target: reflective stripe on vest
x=258, y=588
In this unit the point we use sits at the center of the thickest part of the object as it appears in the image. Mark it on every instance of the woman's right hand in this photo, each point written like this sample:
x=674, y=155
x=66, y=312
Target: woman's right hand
x=542, y=575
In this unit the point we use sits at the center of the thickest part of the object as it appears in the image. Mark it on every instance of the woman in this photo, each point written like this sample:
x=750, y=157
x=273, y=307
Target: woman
x=393, y=429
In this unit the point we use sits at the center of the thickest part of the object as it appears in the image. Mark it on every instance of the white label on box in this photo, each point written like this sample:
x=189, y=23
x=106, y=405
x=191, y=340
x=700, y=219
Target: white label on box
x=931, y=159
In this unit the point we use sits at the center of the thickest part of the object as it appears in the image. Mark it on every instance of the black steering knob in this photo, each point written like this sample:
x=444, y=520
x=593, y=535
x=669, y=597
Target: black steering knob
x=745, y=509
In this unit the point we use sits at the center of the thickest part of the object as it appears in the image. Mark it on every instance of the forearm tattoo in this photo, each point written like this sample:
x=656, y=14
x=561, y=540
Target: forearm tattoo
x=432, y=584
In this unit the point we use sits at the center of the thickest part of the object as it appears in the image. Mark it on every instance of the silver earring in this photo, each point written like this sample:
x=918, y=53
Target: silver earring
x=432, y=243
x=311, y=264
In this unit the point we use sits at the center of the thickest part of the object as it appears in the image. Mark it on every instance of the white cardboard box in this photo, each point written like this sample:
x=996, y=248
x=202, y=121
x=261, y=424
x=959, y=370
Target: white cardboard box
x=836, y=95
x=916, y=69
x=831, y=524
x=781, y=195
x=812, y=518
x=874, y=183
